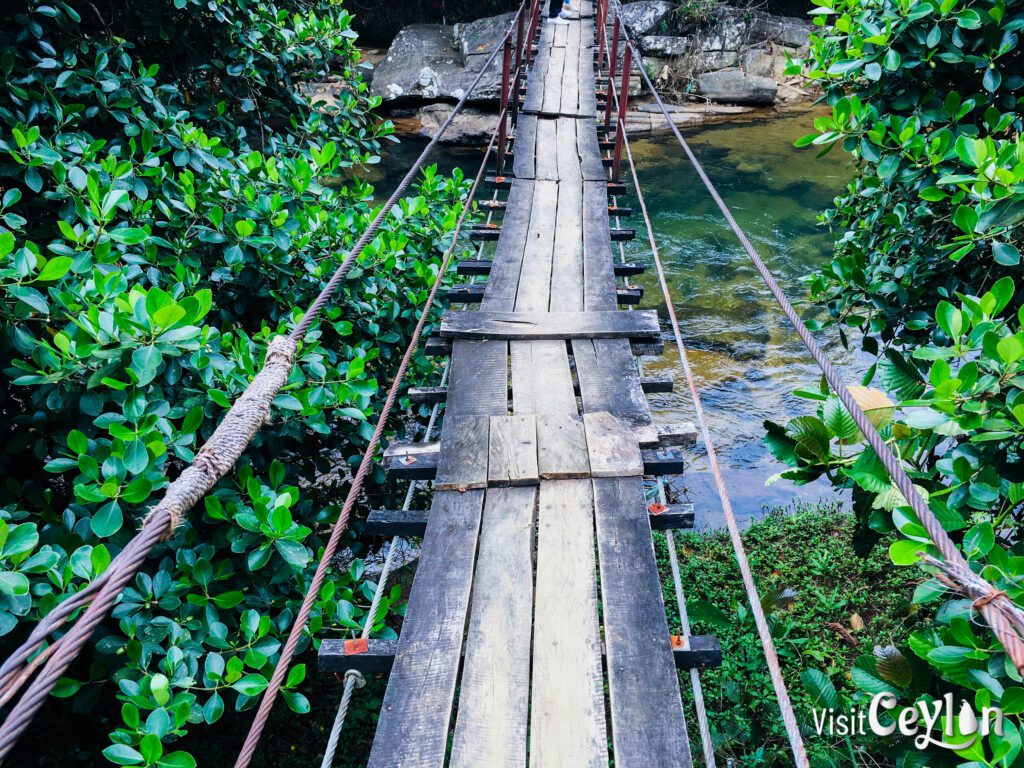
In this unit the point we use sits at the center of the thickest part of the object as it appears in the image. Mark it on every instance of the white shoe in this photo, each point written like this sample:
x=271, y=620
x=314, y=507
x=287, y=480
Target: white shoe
x=557, y=20
x=567, y=15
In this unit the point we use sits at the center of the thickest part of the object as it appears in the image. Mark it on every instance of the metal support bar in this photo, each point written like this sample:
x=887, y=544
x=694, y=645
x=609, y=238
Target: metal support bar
x=612, y=63
x=620, y=123
x=506, y=65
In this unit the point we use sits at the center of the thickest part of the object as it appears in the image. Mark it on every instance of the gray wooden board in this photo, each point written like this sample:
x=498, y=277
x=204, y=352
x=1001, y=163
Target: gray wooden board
x=648, y=728
x=611, y=447
x=416, y=712
x=494, y=690
x=534, y=100
x=478, y=380
x=609, y=381
x=463, y=460
x=523, y=325
x=567, y=719
x=508, y=254
x=534, y=289
x=589, y=152
x=512, y=451
x=567, y=261
x=541, y=378
x=547, y=133
x=561, y=446
x=524, y=163
x=567, y=153
x=598, y=275
x=553, y=82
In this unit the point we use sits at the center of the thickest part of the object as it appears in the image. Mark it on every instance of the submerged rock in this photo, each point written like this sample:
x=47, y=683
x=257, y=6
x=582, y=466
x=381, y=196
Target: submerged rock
x=470, y=127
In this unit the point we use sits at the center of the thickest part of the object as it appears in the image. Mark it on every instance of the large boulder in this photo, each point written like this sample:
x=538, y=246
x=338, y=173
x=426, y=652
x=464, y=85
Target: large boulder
x=736, y=87
x=421, y=63
x=424, y=63
x=644, y=18
x=787, y=31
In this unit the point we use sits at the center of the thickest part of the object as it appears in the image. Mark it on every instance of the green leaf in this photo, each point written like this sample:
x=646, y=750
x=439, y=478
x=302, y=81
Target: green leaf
x=121, y=754
x=820, y=689
x=107, y=520
x=54, y=269
x=1005, y=254
x=966, y=218
x=13, y=583
x=145, y=363
x=905, y=552
x=979, y=541
x=838, y=420
x=811, y=437
x=251, y=685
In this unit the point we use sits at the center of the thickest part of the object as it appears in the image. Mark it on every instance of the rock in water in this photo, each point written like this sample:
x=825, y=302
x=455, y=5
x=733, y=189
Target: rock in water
x=733, y=86
x=470, y=127
x=643, y=18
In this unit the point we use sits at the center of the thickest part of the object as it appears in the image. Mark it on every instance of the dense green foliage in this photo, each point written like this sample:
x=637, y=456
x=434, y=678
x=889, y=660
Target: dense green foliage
x=827, y=608
x=171, y=199
x=926, y=97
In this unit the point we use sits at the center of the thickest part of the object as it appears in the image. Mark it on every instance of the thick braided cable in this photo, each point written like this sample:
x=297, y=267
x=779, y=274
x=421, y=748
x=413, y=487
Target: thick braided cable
x=302, y=617
x=789, y=720
x=1005, y=618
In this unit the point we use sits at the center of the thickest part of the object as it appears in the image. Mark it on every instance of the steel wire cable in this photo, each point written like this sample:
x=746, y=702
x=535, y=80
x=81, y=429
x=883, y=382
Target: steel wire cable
x=1003, y=616
x=156, y=527
x=753, y=598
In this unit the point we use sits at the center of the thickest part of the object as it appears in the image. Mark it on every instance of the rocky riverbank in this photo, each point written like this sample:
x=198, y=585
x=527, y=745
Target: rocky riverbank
x=728, y=62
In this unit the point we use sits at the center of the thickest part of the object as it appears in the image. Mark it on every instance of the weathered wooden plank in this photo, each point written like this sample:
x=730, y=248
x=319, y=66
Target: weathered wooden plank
x=512, y=451
x=553, y=82
x=598, y=276
x=567, y=157
x=463, y=461
x=436, y=346
x=474, y=267
x=524, y=164
x=508, y=254
x=478, y=380
x=693, y=652
x=495, y=684
x=667, y=433
x=547, y=133
x=541, y=378
x=567, y=263
x=535, y=326
x=416, y=712
x=589, y=153
x=646, y=709
x=567, y=722
x=534, y=101
x=561, y=446
x=609, y=381
x=411, y=461
x=585, y=75
x=611, y=447
x=534, y=289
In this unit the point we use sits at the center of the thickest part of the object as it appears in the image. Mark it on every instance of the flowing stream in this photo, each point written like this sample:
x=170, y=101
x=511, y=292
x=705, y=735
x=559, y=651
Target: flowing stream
x=746, y=358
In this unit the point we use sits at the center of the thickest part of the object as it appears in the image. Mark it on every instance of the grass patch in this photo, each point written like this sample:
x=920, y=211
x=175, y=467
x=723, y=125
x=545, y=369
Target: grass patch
x=828, y=606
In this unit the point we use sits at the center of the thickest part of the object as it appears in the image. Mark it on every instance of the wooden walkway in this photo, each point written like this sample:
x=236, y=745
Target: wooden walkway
x=535, y=631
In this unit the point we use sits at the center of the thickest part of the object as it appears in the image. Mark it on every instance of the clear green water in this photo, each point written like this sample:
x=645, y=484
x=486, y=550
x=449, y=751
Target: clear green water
x=746, y=357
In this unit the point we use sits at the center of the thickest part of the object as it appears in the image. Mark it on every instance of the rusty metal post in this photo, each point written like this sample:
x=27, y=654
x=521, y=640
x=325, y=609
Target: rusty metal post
x=531, y=31
x=612, y=62
x=620, y=123
x=602, y=31
x=506, y=67
x=520, y=25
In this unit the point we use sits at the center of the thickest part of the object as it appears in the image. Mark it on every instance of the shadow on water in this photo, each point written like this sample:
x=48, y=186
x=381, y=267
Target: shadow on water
x=746, y=357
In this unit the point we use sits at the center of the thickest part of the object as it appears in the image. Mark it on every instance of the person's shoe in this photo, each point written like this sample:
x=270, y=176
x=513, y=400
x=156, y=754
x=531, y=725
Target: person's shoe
x=565, y=15
x=559, y=19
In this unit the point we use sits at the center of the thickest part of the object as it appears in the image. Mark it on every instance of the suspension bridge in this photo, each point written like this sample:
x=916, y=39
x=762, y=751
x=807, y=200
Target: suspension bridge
x=535, y=631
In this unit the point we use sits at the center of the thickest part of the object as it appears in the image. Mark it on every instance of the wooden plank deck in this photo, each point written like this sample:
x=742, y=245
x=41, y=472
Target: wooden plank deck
x=538, y=487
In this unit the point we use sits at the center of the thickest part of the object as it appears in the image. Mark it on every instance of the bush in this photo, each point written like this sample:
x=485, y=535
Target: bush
x=172, y=199
x=925, y=96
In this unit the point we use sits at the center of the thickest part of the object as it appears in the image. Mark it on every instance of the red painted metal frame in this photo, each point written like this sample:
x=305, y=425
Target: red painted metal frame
x=506, y=67
x=612, y=61
x=620, y=123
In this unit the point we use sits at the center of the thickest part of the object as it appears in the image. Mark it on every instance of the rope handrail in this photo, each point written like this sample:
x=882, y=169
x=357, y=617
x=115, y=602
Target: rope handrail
x=216, y=457
x=753, y=596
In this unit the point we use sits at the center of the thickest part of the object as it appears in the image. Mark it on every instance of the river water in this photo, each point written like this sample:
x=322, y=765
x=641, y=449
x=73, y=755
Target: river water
x=746, y=358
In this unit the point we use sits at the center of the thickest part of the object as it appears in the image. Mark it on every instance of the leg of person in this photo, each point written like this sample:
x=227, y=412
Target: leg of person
x=555, y=13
